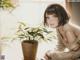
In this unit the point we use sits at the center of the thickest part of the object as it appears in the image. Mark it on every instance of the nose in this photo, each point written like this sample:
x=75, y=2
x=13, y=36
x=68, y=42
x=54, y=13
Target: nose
x=50, y=20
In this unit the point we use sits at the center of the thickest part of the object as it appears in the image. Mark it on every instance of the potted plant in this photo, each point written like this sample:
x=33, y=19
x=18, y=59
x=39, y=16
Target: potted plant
x=30, y=37
x=6, y=4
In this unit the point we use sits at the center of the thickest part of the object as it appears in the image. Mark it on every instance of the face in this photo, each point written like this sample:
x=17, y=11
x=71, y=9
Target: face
x=52, y=20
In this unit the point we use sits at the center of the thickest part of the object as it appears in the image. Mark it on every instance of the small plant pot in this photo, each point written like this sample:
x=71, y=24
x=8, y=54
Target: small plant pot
x=29, y=48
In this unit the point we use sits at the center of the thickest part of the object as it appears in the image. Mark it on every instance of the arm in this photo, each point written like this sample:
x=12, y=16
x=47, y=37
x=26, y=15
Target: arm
x=74, y=52
x=60, y=46
x=72, y=40
x=74, y=46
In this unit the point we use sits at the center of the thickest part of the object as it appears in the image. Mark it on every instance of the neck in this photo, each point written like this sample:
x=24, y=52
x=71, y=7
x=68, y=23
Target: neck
x=60, y=27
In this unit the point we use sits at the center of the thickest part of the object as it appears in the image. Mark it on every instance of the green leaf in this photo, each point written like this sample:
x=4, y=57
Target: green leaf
x=31, y=33
x=26, y=28
x=45, y=30
x=22, y=23
x=41, y=35
x=6, y=4
x=22, y=35
x=49, y=39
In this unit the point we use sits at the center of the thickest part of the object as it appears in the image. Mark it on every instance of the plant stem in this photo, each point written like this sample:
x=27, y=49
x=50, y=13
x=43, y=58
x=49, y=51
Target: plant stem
x=29, y=38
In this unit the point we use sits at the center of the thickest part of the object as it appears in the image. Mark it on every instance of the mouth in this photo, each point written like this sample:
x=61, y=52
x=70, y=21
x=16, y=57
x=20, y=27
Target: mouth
x=51, y=24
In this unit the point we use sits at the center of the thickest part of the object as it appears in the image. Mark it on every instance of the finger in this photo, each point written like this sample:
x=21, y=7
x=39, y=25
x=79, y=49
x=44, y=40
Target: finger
x=47, y=57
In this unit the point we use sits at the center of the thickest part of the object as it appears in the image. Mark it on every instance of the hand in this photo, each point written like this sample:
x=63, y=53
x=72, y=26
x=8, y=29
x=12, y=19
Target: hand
x=48, y=55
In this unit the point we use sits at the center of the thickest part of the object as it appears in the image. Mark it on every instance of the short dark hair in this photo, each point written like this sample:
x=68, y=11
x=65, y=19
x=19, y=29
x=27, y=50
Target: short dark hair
x=60, y=13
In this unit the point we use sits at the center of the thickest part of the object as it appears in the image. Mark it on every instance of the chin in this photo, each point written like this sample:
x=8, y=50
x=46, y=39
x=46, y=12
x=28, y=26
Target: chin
x=53, y=26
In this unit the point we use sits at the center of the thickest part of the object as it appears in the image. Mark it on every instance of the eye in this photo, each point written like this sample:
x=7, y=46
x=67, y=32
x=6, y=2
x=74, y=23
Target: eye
x=55, y=15
x=47, y=17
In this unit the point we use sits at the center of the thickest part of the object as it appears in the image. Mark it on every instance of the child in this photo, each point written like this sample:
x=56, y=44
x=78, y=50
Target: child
x=55, y=16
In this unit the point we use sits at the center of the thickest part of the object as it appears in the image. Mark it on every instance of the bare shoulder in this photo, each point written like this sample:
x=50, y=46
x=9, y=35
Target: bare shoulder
x=68, y=27
x=72, y=28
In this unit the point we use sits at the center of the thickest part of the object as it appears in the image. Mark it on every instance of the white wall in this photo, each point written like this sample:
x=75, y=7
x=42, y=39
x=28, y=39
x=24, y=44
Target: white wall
x=29, y=11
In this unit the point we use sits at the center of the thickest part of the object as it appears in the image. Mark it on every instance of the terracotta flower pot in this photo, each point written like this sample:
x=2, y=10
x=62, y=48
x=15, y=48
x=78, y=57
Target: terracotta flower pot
x=29, y=49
